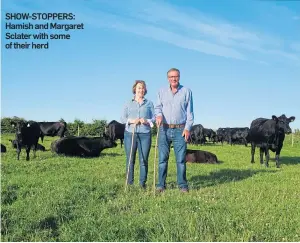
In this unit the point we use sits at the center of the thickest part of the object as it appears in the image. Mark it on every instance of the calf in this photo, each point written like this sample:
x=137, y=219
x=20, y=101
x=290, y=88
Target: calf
x=82, y=146
x=52, y=129
x=115, y=130
x=38, y=147
x=27, y=136
x=199, y=156
x=3, y=148
x=269, y=134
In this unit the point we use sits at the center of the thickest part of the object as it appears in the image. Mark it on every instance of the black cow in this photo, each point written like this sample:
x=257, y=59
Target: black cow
x=27, y=136
x=82, y=146
x=52, y=129
x=197, y=135
x=238, y=135
x=222, y=135
x=39, y=146
x=200, y=156
x=3, y=148
x=115, y=130
x=269, y=134
x=211, y=134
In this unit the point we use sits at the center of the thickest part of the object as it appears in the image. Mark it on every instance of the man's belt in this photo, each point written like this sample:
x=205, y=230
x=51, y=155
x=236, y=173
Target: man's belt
x=173, y=125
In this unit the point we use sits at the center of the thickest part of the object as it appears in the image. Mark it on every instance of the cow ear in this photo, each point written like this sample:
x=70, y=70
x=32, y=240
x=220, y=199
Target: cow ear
x=274, y=118
x=292, y=118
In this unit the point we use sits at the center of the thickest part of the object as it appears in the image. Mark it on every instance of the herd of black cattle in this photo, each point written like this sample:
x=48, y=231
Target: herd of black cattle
x=267, y=134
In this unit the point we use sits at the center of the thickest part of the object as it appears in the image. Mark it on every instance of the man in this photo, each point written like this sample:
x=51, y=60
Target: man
x=174, y=117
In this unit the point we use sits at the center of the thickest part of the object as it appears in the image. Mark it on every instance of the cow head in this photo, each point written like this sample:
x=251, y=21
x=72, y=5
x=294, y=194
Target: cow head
x=283, y=123
x=19, y=126
x=210, y=158
x=109, y=142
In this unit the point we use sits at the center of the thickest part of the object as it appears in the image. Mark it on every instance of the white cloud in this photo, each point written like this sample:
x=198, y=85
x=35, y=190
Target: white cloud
x=195, y=30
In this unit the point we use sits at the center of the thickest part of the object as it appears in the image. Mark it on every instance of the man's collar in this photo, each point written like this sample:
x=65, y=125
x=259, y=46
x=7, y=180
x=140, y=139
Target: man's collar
x=178, y=87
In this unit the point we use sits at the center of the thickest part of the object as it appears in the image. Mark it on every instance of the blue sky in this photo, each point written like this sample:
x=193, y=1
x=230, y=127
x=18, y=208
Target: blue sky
x=241, y=59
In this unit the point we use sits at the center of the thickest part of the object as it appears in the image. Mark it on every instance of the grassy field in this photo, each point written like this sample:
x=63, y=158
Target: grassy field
x=54, y=198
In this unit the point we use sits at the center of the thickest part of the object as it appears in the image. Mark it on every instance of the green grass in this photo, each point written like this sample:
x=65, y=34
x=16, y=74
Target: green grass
x=54, y=198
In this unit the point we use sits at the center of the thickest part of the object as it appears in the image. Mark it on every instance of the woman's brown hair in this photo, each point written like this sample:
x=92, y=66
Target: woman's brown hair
x=139, y=82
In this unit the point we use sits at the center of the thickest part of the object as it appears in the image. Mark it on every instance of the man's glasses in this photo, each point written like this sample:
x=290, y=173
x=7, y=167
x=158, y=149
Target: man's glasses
x=173, y=76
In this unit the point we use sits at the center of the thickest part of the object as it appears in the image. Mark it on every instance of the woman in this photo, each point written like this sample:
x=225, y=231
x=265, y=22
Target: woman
x=138, y=116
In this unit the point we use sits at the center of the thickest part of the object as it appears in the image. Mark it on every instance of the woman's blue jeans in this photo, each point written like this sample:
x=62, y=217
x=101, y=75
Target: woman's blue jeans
x=142, y=143
x=166, y=136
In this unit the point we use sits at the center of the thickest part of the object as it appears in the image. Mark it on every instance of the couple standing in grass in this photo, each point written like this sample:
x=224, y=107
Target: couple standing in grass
x=174, y=116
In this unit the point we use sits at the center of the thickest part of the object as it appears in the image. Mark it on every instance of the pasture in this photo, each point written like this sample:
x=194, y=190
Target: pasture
x=55, y=198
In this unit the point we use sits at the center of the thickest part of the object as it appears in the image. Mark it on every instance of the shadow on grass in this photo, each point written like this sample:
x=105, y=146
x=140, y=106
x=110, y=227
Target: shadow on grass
x=223, y=176
x=208, y=163
x=92, y=156
x=287, y=160
x=110, y=154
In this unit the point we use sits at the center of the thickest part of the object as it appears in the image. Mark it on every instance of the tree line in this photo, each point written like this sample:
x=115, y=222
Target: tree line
x=75, y=128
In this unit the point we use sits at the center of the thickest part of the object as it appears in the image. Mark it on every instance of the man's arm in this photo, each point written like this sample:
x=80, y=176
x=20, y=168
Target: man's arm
x=158, y=106
x=158, y=110
x=189, y=112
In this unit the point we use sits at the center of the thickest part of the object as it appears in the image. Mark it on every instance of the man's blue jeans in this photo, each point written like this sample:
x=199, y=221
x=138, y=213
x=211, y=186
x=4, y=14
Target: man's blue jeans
x=166, y=136
x=142, y=142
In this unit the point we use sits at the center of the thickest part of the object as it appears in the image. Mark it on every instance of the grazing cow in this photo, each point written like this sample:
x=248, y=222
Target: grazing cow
x=52, y=129
x=115, y=130
x=27, y=135
x=82, y=146
x=200, y=156
x=197, y=135
x=222, y=135
x=269, y=134
x=39, y=146
x=3, y=148
x=211, y=134
x=238, y=135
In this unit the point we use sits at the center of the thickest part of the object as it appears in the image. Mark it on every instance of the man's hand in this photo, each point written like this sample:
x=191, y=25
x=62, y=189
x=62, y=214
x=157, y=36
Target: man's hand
x=143, y=121
x=135, y=121
x=158, y=120
x=186, y=135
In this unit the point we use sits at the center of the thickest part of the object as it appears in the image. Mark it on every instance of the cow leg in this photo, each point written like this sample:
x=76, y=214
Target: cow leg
x=34, y=149
x=277, y=160
x=278, y=154
x=18, y=151
x=267, y=157
x=261, y=152
x=27, y=152
x=252, y=152
x=121, y=142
